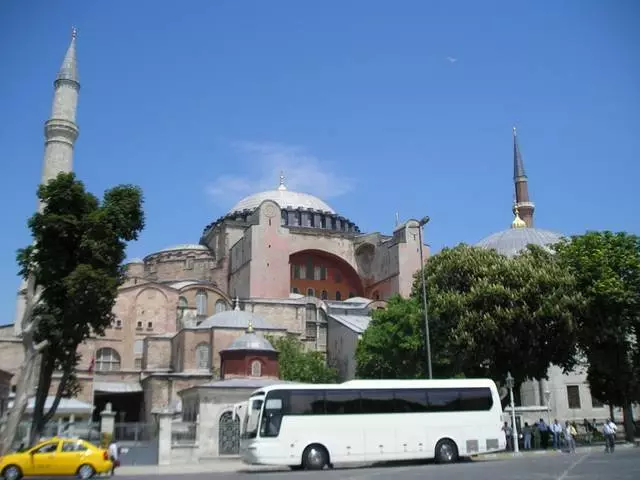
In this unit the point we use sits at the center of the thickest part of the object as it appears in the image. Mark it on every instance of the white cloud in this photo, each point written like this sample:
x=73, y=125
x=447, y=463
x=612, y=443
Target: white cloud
x=264, y=162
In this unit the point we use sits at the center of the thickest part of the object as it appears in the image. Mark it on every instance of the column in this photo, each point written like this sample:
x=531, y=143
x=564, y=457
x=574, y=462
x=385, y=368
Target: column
x=107, y=425
x=164, y=436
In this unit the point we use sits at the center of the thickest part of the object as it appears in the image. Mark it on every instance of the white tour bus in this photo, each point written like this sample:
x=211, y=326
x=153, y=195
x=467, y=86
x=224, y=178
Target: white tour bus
x=313, y=426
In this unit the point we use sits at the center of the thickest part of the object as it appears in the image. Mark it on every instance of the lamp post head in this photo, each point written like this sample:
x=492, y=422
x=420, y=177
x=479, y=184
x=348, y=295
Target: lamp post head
x=424, y=221
x=510, y=381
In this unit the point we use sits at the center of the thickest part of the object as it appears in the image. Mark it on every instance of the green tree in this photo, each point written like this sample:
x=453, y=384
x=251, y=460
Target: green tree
x=78, y=248
x=607, y=268
x=392, y=345
x=488, y=314
x=299, y=365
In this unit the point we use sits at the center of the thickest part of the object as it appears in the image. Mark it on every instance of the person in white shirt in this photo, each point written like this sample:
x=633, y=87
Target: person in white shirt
x=113, y=456
x=556, y=430
x=570, y=436
x=609, y=430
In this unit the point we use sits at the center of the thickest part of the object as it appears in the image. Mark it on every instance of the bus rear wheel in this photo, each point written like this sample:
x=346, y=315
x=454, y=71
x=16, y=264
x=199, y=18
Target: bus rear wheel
x=315, y=457
x=446, y=451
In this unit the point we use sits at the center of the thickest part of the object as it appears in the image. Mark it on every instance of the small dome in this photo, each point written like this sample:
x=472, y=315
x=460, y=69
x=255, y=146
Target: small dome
x=513, y=241
x=250, y=341
x=236, y=319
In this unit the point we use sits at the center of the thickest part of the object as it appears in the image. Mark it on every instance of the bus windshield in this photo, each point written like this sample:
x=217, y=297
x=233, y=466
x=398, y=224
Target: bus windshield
x=250, y=427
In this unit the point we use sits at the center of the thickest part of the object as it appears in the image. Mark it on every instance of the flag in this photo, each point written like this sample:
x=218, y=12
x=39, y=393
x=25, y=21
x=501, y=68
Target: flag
x=92, y=364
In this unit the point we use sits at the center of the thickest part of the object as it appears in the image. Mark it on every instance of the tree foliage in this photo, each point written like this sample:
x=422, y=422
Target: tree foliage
x=76, y=256
x=299, y=365
x=606, y=266
x=488, y=315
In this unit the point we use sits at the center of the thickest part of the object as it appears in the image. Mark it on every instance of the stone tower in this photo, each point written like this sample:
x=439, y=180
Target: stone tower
x=60, y=133
x=523, y=206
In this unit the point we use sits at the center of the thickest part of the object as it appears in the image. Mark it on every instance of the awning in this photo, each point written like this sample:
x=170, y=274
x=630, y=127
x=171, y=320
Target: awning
x=117, y=387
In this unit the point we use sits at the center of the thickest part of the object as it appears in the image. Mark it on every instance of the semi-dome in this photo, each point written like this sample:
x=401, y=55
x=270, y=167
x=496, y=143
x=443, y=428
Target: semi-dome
x=514, y=240
x=250, y=341
x=284, y=198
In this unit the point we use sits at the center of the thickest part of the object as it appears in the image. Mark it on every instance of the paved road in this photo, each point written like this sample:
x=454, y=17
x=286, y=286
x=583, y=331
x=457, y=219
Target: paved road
x=624, y=464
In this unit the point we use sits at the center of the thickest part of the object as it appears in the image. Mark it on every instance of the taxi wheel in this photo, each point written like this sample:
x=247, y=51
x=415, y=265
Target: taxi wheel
x=86, y=471
x=12, y=472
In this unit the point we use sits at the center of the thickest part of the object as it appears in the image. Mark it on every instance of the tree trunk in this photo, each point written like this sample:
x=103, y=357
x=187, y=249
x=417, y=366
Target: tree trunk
x=24, y=385
x=42, y=392
x=611, y=413
x=629, y=427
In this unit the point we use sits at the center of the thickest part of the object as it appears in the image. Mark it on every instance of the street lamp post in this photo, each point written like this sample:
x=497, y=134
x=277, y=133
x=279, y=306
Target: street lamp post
x=547, y=397
x=514, y=430
x=422, y=223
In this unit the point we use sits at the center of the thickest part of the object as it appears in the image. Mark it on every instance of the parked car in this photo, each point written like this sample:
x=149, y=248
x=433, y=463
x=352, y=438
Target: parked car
x=57, y=457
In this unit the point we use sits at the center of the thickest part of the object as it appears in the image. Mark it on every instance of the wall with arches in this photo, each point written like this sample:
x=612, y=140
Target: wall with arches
x=323, y=275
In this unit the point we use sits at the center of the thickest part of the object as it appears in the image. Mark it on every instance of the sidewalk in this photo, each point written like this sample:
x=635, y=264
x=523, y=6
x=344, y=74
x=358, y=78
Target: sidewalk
x=550, y=451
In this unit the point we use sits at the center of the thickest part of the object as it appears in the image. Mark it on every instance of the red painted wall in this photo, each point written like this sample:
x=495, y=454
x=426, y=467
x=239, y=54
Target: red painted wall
x=238, y=363
x=340, y=276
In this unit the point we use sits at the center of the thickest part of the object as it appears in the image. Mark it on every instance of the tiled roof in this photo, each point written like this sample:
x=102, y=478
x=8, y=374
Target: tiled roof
x=250, y=341
x=357, y=323
x=237, y=319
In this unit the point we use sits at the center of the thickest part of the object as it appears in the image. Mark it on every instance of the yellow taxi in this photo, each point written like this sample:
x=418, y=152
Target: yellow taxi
x=56, y=456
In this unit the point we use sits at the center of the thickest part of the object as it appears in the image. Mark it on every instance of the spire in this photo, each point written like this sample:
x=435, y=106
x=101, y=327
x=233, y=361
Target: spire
x=236, y=306
x=523, y=207
x=518, y=164
x=517, y=222
x=69, y=68
x=282, y=185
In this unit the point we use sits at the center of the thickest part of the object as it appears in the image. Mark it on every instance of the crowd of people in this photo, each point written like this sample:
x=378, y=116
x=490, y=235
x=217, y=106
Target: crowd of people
x=541, y=435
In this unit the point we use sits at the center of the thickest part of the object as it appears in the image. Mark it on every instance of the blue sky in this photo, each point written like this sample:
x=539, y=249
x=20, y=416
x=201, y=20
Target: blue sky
x=359, y=102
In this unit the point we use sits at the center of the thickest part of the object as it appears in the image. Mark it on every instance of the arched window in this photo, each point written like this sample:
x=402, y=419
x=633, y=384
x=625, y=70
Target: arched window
x=338, y=296
x=203, y=356
x=256, y=368
x=311, y=292
x=107, y=360
x=182, y=302
x=201, y=302
x=221, y=306
x=324, y=295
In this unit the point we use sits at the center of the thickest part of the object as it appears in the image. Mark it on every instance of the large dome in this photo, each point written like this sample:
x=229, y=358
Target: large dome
x=512, y=241
x=284, y=198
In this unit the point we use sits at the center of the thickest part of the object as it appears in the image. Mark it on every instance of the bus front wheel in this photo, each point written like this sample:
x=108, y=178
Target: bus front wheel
x=446, y=451
x=315, y=457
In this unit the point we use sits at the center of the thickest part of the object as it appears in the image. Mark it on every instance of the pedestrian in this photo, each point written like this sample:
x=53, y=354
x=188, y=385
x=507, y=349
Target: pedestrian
x=527, y=430
x=609, y=430
x=556, y=430
x=588, y=430
x=508, y=433
x=544, y=433
x=114, y=456
x=570, y=436
x=536, y=436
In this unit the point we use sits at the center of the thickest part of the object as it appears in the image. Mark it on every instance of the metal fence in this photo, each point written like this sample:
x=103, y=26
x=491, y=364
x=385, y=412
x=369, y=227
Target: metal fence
x=184, y=433
x=140, y=441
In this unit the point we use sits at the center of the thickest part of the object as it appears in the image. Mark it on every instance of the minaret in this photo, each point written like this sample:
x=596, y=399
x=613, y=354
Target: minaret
x=60, y=133
x=523, y=206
